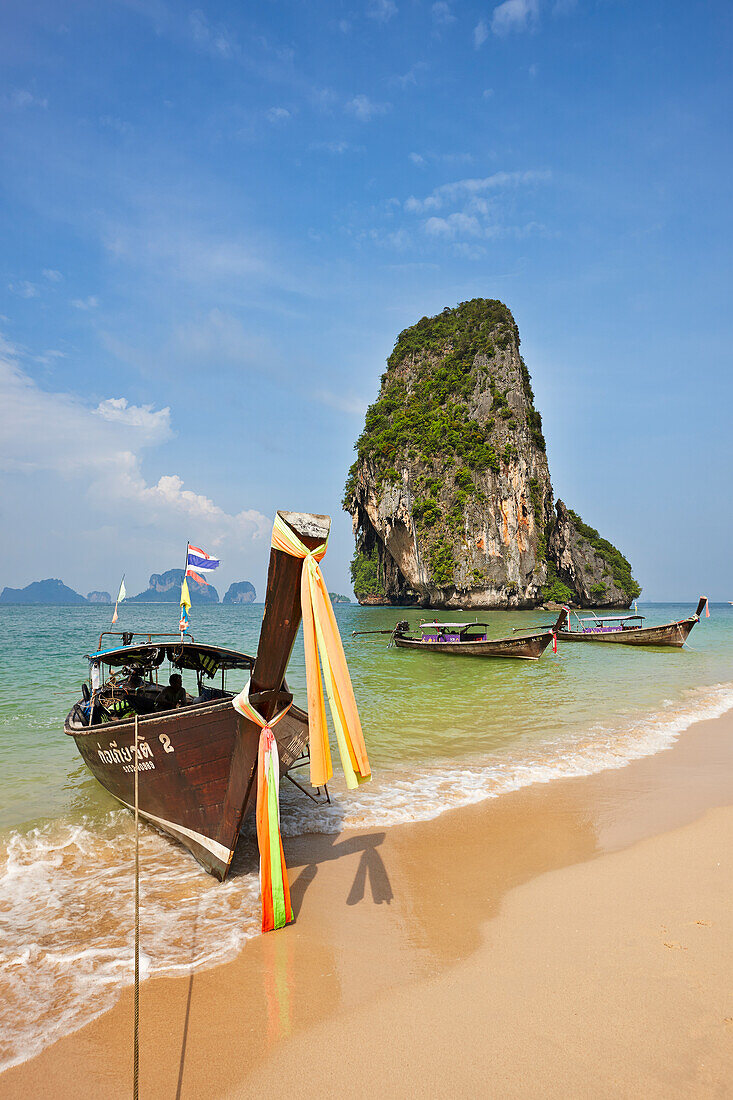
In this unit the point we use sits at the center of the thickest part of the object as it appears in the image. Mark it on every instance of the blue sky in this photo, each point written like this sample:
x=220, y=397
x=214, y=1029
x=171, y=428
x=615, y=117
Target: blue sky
x=215, y=220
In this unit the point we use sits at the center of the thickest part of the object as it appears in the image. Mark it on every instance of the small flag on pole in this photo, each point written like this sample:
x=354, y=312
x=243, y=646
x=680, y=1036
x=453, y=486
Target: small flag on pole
x=185, y=607
x=120, y=597
x=198, y=561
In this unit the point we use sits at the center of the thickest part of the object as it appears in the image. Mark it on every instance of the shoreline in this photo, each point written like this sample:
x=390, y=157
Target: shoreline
x=380, y=913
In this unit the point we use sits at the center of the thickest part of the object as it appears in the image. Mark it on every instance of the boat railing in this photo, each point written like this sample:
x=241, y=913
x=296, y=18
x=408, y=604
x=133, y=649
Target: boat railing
x=128, y=635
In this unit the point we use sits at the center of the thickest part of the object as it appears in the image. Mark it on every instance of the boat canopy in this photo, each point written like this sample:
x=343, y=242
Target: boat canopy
x=611, y=618
x=448, y=626
x=198, y=656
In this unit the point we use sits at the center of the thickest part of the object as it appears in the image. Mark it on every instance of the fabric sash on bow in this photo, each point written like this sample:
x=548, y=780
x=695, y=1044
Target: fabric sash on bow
x=274, y=888
x=321, y=636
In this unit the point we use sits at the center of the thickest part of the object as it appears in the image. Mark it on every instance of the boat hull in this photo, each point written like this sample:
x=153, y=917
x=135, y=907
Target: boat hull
x=198, y=771
x=528, y=648
x=668, y=634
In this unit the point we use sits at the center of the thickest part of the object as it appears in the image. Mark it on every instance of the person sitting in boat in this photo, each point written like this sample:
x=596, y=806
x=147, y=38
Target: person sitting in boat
x=172, y=696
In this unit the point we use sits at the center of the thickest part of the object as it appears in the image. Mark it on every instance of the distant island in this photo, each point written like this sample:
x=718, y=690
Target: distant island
x=336, y=597
x=48, y=591
x=166, y=588
x=99, y=597
x=240, y=592
x=162, y=588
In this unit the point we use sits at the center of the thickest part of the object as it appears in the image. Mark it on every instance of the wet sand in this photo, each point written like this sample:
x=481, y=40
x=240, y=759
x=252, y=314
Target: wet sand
x=571, y=939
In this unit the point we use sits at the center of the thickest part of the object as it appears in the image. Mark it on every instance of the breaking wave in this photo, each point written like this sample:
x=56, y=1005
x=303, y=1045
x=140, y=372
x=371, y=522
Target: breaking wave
x=66, y=888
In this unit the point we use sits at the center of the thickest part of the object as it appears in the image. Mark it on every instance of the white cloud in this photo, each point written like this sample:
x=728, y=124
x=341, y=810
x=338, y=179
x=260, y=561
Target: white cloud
x=454, y=225
x=381, y=10
x=216, y=40
x=336, y=147
x=366, y=109
x=117, y=410
x=85, y=303
x=110, y=122
x=21, y=98
x=278, y=114
x=24, y=289
x=466, y=188
x=442, y=14
x=98, y=451
x=418, y=159
x=514, y=15
x=410, y=77
x=480, y=33
x=487, y=93
x=51, y=275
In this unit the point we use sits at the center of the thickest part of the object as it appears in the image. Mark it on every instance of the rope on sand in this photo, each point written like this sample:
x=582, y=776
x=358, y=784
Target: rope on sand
x=136, y=1031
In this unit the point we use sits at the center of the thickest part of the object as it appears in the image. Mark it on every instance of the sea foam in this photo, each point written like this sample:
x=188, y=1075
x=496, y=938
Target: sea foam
x=66, y=888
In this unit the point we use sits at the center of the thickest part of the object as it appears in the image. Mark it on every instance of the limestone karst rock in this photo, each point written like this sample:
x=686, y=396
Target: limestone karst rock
x=450, y=493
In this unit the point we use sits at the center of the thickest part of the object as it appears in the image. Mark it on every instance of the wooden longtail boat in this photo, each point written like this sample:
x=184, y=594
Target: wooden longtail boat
x=469, y=640
x=628, y=629
x=198, y=762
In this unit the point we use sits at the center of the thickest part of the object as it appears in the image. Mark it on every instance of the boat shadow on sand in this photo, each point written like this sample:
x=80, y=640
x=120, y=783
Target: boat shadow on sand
x=307, y=851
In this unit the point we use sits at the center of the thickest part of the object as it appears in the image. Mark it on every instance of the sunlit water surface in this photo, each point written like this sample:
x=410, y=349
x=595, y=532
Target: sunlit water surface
x=441, y=732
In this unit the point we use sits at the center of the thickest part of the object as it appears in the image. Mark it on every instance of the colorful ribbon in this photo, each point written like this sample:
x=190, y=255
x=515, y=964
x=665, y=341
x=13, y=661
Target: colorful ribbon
x=321, y=636
x=274, y=888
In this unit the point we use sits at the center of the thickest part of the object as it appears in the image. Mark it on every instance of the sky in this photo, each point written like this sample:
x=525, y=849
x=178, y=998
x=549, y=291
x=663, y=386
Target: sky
x=216, y=219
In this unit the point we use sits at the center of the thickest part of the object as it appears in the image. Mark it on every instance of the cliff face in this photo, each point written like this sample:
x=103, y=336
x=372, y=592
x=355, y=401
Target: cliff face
x=450, y=493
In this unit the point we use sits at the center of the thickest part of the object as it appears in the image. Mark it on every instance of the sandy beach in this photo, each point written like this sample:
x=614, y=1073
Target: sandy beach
x=571, y=939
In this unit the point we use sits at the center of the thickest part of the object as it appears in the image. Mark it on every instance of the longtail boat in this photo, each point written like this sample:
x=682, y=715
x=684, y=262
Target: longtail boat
x=198, y=760
x=469, y=640
x=628, y=629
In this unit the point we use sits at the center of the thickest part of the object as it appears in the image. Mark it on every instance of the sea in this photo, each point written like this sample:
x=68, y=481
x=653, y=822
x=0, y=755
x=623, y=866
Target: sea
x=441, y=732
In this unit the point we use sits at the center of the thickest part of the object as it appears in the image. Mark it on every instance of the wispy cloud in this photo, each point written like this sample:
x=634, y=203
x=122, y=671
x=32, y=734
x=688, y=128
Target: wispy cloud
x=480, y=33
x=215, y=39
x=24, y=289
x=515, y=15
x=366, y=109
x=52, y=275
x=442, y=14
x=278, y=114
x=450, y=192
x=404, y=80
x=381, y=10
x=21, y=98
x=85, y=304
x=335, y=147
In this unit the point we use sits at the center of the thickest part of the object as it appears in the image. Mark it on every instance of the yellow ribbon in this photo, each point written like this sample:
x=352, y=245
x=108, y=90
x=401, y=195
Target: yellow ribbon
x=321, y=636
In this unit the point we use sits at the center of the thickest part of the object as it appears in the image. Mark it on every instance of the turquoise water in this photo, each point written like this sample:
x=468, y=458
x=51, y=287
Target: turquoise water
x=440, y=732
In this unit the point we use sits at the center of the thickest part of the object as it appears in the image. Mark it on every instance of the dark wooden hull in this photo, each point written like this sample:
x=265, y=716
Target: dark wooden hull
x=668, y=634
x=198, y=771
x=527, y=648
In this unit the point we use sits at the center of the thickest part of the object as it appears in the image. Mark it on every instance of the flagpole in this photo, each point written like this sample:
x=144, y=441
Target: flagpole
x=185, y=571
x=114, y=616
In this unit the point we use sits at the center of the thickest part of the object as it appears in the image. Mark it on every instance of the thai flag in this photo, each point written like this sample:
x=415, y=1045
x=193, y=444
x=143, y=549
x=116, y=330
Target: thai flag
x=197, y=561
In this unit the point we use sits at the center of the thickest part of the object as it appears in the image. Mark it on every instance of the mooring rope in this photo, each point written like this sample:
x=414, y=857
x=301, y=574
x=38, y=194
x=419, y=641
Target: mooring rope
x=136, y=1031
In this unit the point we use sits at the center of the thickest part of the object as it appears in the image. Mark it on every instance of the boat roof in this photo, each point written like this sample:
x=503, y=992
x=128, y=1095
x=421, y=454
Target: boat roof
x=611, y=618
x=199, y=656
x=442, y=626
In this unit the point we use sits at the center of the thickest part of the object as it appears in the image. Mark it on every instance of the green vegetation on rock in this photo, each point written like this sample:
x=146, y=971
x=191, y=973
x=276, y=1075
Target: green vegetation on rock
x=422, y=412
x=554, y=591
x=619, y=567
x=366, y=575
